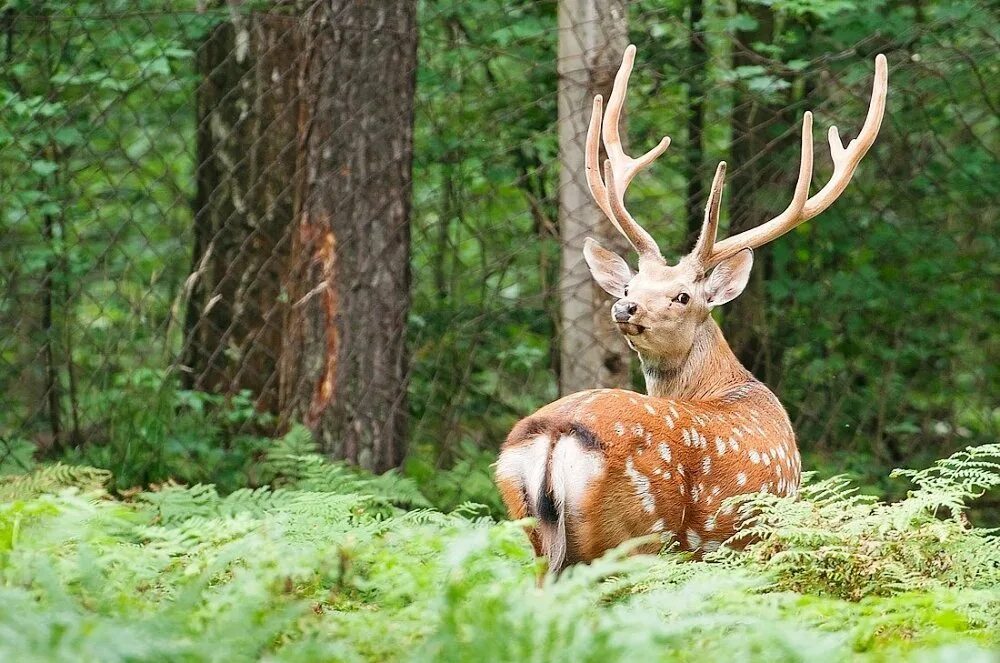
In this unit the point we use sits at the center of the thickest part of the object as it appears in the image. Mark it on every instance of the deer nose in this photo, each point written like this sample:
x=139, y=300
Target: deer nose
x=623, y=310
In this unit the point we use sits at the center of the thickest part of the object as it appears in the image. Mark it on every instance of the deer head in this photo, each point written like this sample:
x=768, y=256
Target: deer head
x=661, y=308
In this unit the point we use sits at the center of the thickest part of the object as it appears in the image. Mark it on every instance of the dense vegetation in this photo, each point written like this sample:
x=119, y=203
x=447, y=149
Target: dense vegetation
x=878, y=317
x=331, y=565
x=140, y=520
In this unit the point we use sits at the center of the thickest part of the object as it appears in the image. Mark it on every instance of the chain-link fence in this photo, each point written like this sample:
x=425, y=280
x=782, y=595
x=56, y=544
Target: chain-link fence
x=211, y=231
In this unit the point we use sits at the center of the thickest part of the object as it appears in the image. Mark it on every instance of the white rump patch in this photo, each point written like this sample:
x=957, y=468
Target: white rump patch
x=574, y=468
x=525, y=464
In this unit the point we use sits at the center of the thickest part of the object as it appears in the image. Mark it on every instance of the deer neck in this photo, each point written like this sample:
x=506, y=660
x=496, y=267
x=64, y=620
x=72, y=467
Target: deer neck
x=709, y=369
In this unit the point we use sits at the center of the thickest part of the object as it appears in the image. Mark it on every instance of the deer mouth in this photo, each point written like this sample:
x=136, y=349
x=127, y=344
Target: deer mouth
x=630, y=328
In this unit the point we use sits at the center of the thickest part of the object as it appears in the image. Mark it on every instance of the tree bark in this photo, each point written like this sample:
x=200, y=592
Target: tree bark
x=299, y=290
x=693, y=152
x=247, y=110
x=344, y=361
x=592, y=36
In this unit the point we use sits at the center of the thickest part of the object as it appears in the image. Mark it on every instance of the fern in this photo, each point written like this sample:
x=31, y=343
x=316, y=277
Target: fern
x=325, y=565
x=835, y=541
x=52, y=478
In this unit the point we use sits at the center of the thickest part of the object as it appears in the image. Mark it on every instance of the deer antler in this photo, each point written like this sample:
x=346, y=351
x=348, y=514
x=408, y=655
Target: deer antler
x=619, y=168
x=802, y=209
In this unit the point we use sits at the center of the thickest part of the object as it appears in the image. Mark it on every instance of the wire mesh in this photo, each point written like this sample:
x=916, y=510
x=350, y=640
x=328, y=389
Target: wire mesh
x=157, y=165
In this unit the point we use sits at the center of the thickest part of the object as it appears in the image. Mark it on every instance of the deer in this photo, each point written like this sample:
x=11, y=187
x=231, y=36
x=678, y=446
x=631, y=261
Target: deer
x=600, y=467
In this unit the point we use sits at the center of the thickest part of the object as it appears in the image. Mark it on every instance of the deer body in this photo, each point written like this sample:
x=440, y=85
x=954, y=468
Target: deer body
x=600, y=467
x=611, y=465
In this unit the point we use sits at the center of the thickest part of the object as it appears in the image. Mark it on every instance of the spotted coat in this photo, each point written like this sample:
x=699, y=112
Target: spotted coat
x=624, y=465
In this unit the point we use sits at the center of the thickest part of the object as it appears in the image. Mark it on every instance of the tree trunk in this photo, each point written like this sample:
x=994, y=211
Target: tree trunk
x=344, y=362
x=592, y=36
x=300, y=278
x=693, y=152
x=758, y=170
x=247, y=110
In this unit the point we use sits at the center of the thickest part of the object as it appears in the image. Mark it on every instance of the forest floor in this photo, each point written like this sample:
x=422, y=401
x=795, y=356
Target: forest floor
x=330, y=565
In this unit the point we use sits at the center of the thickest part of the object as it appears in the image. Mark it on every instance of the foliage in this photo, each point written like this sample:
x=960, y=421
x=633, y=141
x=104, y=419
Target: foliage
x=878, y=344
x=326, y=567
x=838, y=542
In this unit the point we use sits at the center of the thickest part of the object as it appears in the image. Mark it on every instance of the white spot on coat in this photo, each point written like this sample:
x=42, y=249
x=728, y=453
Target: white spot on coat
x=664, y=450
x=694, y=541
x=641, y=484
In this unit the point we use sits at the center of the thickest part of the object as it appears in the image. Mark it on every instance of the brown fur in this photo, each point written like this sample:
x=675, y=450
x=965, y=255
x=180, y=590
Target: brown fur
x=745, y=424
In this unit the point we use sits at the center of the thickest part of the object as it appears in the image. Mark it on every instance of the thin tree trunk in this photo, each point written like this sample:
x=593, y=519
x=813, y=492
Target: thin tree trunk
x=693, y=154
x=592, y=36
x=757, y=171
x=344, y=365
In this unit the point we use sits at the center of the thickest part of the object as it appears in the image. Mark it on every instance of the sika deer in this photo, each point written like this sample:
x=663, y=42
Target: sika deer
x=599, y=467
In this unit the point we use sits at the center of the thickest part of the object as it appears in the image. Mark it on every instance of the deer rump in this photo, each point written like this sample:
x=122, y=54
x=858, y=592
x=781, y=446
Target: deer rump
x=585, y=494
x=545, y=471
x=598, y=468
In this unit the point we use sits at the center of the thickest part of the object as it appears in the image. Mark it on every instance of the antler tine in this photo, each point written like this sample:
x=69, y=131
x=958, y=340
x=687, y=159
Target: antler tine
x=779, y=225
x=643, y=242
x=609, y=193
x=710, y=227
x=593, y=168
x=845, y=161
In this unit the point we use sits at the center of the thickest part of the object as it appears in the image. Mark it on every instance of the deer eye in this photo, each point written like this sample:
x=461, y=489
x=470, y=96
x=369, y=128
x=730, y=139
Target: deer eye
x=682, y=298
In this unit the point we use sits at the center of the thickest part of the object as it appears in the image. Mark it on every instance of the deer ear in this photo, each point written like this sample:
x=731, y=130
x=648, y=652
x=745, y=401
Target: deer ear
x=729, y=278
x=609, y=269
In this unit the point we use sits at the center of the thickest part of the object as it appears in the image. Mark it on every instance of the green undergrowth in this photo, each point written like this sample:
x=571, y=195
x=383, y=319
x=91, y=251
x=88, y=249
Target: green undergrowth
x=327, y=564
